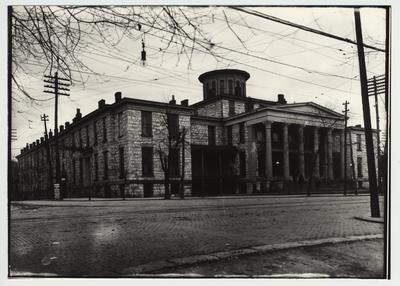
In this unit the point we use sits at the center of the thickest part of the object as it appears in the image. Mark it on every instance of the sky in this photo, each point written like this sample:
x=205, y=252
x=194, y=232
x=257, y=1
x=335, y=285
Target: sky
x=280, y=59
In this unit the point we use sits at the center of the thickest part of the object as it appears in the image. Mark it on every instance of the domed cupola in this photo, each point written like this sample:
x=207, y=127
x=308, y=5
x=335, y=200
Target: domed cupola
x=230, y=82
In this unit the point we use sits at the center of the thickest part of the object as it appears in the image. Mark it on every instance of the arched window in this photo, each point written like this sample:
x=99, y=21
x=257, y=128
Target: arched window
x=238, y=89
x=230, y=87
x=221, y=87
x=213, y=88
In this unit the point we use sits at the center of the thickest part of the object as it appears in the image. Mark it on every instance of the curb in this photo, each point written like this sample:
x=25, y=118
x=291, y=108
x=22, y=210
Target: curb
x=150, y=267
x=371, y=219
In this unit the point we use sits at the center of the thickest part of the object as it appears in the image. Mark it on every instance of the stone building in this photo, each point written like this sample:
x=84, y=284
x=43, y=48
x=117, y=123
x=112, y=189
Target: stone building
x=233, y=144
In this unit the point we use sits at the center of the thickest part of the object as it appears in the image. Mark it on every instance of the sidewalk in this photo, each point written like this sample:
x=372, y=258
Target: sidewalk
x=357, y=259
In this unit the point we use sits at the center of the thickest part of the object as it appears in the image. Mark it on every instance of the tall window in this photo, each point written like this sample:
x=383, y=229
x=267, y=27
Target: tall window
x=231, y=107
x=242, y=164
x=147, y=125
x=105, y=165
x=95, y=133
x=359, y=167
x=229, y=135
x=87, y=136
x=230, y=87
x=147, y=161
x=104, y=129
x=241, y=132
x=80, y=138
x=80, y=171
x=73, y=139
x=213, y=88
x=211, y=135
x=120, y=124
x=73, y=171
x=221, y=87
x=358, y=142
x=173, y=125
x=96, y=166
x=238, y=89
x=174, y=168
x=121, y=163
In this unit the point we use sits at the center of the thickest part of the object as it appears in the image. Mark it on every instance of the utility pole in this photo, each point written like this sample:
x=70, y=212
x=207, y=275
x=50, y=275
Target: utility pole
x=345, y=147
x=378, y=140
x=374, y=198
x=45, y=118
x=58, y=86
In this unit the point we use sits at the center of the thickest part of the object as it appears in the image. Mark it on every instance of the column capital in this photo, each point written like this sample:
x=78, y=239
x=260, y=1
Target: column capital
x=267, y=124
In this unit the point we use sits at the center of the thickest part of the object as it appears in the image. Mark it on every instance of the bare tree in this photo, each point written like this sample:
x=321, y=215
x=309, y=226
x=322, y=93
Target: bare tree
x=168, y=151
x=55, y=36
x=326, y=124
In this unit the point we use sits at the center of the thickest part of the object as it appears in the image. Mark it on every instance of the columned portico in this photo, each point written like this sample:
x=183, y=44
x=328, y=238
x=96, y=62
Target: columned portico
x=342, y=153
x=316, y=152
x=251, y=158
x=301, y=151
x=268, y=150
x=330, y=153
x=286, y=170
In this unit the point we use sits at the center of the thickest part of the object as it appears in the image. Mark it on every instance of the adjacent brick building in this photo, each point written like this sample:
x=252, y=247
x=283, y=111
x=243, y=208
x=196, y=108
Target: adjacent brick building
x=233, y=144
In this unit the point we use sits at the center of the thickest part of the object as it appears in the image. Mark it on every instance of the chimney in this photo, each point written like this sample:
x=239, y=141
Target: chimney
x=66, y=124
x=27, y=145
x=78, y=114
x=358, y=125
x=41, y=139
x=37, y=141
x=102, y=103
x=172, y=101
x=30, y=146
x=33, y=143
x=118, y=96
x=281, y=99
x=61, y=128
x=185, y=102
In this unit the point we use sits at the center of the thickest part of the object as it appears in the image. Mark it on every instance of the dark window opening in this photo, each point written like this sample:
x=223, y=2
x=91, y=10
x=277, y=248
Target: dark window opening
x=238, y=89
x=147, y=124
x=96, y=166
x=173, y=125
x=221, y=87
x=105, y=165
x=73, y=139
x=95, y=133
x=358, y=142
x=73, y=172
x=104, y=130
x=359, y=167
x=121, y=163
x=241, y=132
x=229, y=135
x=242, y=164
x=80, y=138
x=80, y=171
x=230, y=87
x=147, y=161
x=120, y=124
x=211, y=135
x=174, y=157
x=231, y=107
x=87, y=136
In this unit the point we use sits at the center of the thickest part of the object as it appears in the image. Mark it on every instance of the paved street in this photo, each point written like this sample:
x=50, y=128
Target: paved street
x=101, y=238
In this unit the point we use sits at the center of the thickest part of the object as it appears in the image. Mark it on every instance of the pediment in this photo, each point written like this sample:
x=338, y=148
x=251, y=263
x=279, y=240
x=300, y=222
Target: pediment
x=310, y=108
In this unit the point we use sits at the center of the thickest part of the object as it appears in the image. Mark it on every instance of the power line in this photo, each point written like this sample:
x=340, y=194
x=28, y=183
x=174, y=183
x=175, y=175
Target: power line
x=301, y=27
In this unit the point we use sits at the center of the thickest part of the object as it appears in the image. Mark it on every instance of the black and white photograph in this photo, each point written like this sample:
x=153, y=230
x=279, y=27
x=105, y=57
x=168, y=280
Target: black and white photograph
x=218, y=140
